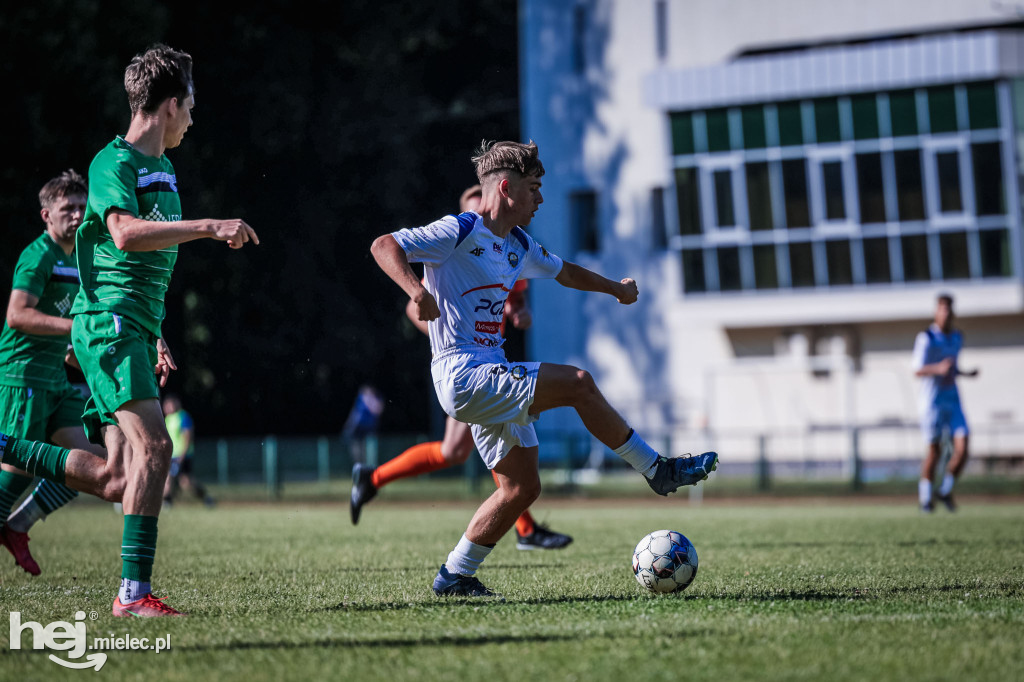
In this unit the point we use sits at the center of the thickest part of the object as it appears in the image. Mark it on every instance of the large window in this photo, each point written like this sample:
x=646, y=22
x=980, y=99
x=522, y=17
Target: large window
x=878, y=188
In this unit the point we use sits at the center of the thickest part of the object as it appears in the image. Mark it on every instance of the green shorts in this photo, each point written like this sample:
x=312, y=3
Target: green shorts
x=118, y=357
x=36, y=414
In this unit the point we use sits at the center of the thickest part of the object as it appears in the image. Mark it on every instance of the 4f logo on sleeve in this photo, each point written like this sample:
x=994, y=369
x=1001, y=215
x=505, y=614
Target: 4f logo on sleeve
x=478, y=251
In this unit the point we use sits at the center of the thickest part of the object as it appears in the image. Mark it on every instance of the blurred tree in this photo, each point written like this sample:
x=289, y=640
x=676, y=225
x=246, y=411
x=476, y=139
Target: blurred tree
x=323, y=125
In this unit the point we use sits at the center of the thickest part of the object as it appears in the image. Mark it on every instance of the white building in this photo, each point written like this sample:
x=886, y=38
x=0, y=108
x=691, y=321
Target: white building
x=791, y=183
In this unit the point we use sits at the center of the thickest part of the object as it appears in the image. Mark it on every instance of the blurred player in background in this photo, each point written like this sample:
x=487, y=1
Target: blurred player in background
x=37, y=402
x=182, y=432
x=935, y=362
x=471, y=263
x=457, y=445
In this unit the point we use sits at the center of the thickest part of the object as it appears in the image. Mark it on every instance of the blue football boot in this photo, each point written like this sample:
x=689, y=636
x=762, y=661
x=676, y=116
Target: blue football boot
x=672, y=473
x=457, y=585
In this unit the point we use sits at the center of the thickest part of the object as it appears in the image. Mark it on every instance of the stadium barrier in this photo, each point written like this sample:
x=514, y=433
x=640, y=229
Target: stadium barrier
x=860, y=455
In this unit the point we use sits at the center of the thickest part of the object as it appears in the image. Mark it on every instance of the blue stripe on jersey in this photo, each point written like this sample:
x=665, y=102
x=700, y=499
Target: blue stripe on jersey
x=518, y=233
x=466, y=223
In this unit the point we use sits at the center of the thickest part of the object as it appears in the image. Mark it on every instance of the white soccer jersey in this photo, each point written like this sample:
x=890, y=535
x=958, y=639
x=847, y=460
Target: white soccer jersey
x=470, y=271
x=933, y=346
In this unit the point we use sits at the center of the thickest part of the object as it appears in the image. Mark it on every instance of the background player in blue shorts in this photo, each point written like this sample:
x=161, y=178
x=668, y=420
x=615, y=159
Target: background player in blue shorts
x=935, y=362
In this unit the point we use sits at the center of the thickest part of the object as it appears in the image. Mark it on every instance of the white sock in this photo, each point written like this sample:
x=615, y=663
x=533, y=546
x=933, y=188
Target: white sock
x=26, y=515
x=924, y=491
x=133, y=590
x=947, y=484
x=638, y=454
x=466, y=557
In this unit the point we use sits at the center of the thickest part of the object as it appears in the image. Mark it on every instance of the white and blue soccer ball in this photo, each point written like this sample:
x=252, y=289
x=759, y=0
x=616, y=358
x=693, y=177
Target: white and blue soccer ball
x=665, y=561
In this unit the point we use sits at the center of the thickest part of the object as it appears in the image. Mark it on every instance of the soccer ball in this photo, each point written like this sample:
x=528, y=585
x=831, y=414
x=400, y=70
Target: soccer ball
x=665, y=561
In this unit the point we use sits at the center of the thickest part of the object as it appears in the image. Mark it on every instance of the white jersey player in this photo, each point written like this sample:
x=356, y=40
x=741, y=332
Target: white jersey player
x=471, y=263
x=935, y=361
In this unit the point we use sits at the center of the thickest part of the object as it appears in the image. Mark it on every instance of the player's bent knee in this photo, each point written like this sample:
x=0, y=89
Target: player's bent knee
x=457, y=455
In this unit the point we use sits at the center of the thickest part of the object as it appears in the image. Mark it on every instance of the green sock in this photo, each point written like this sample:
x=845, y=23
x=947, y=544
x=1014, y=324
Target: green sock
x=11, y=488
x=138, y=547
x=38, y=459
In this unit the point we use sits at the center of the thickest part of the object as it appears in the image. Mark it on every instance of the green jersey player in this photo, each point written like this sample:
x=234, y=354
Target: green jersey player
x=127, y=246
x=36, y=400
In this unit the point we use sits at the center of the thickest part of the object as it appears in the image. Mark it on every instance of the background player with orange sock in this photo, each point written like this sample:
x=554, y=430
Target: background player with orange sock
x=457, y=445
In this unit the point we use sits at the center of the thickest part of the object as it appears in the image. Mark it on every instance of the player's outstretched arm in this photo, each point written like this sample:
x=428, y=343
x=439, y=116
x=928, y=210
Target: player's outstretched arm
x=23, y=316
x=575, y=277
x=131, y=233
x=391, y=258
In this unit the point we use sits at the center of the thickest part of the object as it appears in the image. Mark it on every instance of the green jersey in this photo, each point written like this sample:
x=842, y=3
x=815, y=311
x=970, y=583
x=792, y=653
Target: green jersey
x=129, y=283
x=28, y=360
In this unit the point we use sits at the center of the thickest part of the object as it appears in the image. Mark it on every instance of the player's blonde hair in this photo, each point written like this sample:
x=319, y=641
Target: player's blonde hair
x=156, y=75
x=512, y=157
x=67, y=184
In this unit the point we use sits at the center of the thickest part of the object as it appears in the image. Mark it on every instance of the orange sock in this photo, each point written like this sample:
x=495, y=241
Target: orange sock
x=419, y=459
x=524, y=524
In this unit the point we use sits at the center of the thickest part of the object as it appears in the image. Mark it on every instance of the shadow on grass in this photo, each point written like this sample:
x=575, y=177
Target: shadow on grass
x=436, y=641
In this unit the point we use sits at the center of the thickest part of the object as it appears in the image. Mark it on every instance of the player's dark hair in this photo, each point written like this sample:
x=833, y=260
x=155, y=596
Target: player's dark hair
x=156, y=75
x=945, y=298
x=514, y=157
x=67, y=184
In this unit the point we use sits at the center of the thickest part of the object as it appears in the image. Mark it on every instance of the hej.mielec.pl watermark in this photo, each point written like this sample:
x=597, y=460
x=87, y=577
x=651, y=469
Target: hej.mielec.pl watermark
x=72, y=638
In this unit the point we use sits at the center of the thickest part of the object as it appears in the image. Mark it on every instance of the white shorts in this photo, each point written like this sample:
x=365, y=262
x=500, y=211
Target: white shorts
x=493, y=396
x=939, y=417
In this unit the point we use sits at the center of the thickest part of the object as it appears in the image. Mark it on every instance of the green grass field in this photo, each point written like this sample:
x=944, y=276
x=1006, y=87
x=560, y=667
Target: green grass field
x=799, y=592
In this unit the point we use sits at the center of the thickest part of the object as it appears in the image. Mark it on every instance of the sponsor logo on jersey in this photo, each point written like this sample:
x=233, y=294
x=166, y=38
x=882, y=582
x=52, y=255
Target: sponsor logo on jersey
x=489, y=343
x=499, y=369
x=513, y=258
x=496, y=246
x=478, y=251
x=488, y=327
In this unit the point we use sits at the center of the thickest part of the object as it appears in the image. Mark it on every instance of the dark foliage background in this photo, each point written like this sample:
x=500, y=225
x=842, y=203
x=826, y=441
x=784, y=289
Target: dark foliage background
x=323, y=124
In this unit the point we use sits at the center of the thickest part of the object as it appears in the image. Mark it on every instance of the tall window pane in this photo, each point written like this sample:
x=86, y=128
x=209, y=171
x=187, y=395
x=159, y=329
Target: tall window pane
x=871, y=190
x=981, y=106
x=837, y=254
x=801, y=264
x=995, y=253
x=910, y=191
x=583, y=217
x=791, y=126
x=687, y=193
x=682, y=133
x=794, y=184
x=693, y=271
x=766, y=274
x=717, y=121
x=722, y=180
x=826, y=119
x=903, y=113
x=729, y=269
x=915, y=258
x=942, y=109
x=953, y=246
x=659, y=234
x=832, y=183
x=753, y=127
x=865, y=116
x=759, y=196
x=947, y=165
x=989, y=198
x=876, y=261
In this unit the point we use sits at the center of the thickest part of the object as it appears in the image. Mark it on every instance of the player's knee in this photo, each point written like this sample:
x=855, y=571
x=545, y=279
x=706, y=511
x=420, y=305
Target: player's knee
x=112, y=485
x=456, y=455
x=524, y=493
x=584, y=385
